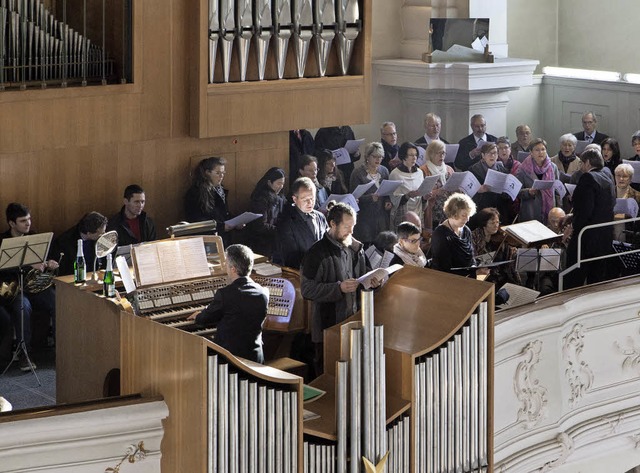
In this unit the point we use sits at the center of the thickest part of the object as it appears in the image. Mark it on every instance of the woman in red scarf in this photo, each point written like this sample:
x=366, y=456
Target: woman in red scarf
x=535, y=203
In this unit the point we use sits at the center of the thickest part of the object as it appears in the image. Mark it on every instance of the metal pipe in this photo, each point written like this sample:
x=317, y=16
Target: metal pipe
x=457, y=373
x=271, y=430
x=233, y=423
x=466, y=397
x=287, y=444
x=212, y=412
x=444, y=426
x=368, y=368
x=483, y=385
x=342, y=412
x=418, y=417
x=243, y=425
x=429, y=409
x=253, y=430
x=473, y=452
x=223, y=419
x=451, y=420
x=435, y=453
x=355, y=398
x=262, y=427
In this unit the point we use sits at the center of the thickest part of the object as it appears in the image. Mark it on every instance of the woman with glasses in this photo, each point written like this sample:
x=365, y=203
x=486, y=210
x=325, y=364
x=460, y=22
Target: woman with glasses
x=435, y=166
x=373, y=216
x=486, y=197
x=407, y=250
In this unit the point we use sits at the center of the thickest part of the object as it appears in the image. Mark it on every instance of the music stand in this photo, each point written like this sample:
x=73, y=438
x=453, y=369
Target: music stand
x=630, y=261
x=16, y=253
x=538, y=260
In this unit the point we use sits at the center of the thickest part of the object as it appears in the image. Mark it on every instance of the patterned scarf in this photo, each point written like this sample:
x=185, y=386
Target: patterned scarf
x=412, y=259
x=546, y=171
x=435, y=170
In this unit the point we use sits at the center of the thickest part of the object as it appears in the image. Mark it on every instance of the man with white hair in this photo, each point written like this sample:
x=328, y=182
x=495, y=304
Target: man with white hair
x=589, y=132
x=432, y=127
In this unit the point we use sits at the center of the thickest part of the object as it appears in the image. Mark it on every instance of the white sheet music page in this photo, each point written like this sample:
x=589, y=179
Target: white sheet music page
x=530, y=232
x=518, y=295
x=194, y=258
x=147, y=265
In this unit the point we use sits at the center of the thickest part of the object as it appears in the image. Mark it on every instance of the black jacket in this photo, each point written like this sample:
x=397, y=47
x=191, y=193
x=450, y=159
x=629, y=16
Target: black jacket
x=220, y=210
x=294, y=237
x=598, y=139
x=467, y=144
x=238, y=311
x=118, y=222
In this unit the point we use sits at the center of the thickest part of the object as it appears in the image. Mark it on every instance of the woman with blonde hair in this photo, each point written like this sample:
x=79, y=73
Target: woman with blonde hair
x=435, y=166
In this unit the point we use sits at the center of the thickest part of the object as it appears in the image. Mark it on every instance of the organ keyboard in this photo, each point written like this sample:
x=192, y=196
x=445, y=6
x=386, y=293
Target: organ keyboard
x=171, y=304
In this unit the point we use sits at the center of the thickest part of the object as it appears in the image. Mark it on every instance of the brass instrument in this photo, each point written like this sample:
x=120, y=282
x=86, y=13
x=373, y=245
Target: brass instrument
x=36, y=280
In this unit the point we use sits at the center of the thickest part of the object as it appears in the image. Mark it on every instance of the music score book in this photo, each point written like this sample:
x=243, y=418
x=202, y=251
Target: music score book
x=531, y=232
x=170, y=260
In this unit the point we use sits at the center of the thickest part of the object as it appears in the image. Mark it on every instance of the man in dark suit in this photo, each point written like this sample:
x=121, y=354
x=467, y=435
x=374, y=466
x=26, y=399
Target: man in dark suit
x=593, y=201
x=432, y=127
x=469, y=151
x=389, y=140
x=589, y=132
x=239, y=309
x=300, y=226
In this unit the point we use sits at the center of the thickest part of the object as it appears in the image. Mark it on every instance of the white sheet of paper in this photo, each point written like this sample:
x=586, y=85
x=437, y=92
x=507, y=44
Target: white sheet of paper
x=518, y=295
x=346, y=198
x=636, y=170
x=464, y=182
x=387, y=188
x=428, y=184
x=421, y=156
x=342, y=156
x=626, y=207
x=361, y=189
x=496, y=180
x=480, y=144
x=452, y=152
x=242, y=219
x=380, y=273
x=373, y=256
x=148, y=268
x=125, y=274
x=352, y=146
x=542, y=185
x=386, y=259
x=570, y=188
x=522, y=155
x=580, y=146
x=477, y=45
x=558, y=187
x=512, y=186
x=530, y=231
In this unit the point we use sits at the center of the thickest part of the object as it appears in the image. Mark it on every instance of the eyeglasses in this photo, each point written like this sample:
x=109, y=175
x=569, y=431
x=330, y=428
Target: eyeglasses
x=413, y=241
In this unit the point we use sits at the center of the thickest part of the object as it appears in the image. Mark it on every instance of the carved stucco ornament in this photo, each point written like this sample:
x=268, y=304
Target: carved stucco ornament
x=531, y=394
x=577, y=372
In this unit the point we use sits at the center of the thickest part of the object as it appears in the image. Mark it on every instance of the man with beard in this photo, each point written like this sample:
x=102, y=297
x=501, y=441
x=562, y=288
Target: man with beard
x=389, y=140
x=330, y=271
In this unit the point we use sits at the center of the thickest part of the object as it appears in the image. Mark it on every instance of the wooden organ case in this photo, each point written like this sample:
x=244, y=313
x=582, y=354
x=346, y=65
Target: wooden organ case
x=432, y=323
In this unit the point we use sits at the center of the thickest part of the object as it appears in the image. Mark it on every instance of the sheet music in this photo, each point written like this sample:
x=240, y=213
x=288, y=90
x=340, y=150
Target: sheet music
x=522, y=155
x=428, y=184
x=148, y=266
x=194, y=257
x=352, y=146
x=452, y=152
x=421, y=156
x=361, y=189
x=242, y=219
x=518, y=295
x=570, y=188
x=373, y=256
x=580, y=146
x=558, y=187
x=464, y=182
x=387, y=188
x=386, y=259
x=542, y=184
x=342, y=156
x=530, y=232
x=626, y=207
x=380, y=273
x=125, y=274
x=636, y=170
x=346, y=198
x=501, y=182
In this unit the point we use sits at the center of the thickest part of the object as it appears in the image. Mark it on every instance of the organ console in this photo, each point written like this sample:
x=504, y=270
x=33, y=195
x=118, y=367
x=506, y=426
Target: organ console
x=424, y=393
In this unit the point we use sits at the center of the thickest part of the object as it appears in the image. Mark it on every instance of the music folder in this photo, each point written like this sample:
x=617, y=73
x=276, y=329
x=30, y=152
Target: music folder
x=531, y=234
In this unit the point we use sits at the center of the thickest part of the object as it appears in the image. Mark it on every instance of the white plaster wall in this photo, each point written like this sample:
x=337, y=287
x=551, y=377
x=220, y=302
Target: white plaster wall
x=525, y=108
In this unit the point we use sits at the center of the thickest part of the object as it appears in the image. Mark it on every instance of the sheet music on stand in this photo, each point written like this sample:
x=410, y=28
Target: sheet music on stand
x=170, y=260
x=531, y=233
x=536, y=260
x=28, y=249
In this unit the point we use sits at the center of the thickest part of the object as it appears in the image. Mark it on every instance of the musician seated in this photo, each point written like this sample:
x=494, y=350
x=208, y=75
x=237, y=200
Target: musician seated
x=132, y=223
x=42, y=301
x=487, y=239
x=239, y=309
x=407, y=250
x=90, y=227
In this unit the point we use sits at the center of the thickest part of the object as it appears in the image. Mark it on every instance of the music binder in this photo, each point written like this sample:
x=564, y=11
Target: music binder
x=531, y=234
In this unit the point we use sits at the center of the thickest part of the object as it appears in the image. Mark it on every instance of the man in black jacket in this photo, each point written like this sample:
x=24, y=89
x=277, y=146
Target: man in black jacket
x=469, y=151
x=239, y=309
x=593, y=201
x=300, y=226
x=132, y=223
x=589, y=132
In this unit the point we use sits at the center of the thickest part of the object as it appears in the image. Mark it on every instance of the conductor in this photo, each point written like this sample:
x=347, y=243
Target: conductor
x=238, y=309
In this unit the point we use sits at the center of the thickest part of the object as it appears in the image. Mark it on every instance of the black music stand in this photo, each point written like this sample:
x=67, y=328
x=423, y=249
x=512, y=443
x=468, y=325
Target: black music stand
x=630, y=261
x=538, y=260
x=16, y=253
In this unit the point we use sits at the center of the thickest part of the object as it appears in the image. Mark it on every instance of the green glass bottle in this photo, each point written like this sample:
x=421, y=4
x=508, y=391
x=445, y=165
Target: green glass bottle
x=79, y=266
x=109, y=281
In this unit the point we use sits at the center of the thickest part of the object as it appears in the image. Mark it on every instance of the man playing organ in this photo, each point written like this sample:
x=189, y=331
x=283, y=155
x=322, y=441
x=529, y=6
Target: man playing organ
x=239, y=309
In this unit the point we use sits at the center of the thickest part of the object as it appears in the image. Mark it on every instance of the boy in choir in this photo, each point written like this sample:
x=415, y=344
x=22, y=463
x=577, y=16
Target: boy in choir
x=239, y=309
x=132, y=223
